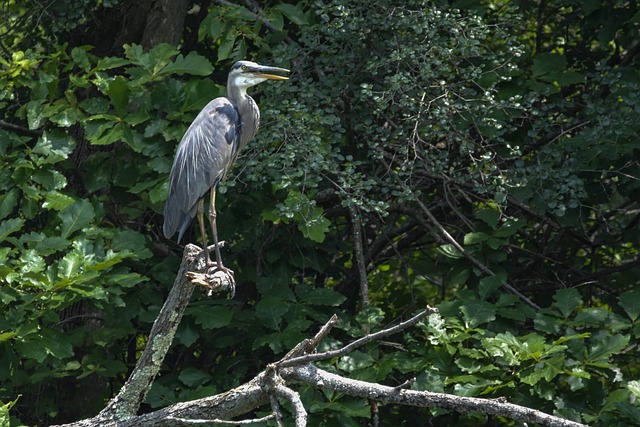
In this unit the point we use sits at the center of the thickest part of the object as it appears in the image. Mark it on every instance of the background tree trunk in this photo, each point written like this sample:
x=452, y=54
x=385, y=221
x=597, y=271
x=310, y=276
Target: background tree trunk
x=165, y=23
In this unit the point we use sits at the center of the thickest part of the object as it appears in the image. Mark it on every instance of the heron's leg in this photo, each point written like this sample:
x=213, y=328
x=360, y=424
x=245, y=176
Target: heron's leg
x=214, y=228
x=203, y=232
x=219, y=267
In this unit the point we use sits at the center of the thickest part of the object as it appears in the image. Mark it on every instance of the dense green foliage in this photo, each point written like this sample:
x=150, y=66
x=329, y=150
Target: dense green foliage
x=512, y=127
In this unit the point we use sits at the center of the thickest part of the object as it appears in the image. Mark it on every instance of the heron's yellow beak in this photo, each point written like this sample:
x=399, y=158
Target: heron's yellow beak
x=273, y=76
x=266, y=73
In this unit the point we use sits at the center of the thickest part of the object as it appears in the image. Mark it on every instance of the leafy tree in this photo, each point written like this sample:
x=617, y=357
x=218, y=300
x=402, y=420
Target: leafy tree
x=477, y=157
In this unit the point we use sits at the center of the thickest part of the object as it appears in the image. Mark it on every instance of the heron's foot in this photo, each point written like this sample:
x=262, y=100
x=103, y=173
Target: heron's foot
x=221, y=274
x=215, y=278
x=212, y=267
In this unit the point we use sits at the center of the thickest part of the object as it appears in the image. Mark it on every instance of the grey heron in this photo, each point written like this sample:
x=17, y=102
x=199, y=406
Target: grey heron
x=208, y=150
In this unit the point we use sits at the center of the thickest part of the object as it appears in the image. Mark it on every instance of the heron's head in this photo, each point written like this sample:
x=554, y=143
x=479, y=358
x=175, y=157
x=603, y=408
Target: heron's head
x=245, y=74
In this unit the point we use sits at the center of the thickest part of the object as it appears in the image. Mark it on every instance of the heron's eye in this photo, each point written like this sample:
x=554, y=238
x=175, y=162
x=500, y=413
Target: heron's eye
x=244, y=67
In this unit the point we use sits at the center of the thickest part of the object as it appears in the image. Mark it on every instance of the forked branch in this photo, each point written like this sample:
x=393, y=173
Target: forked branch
x=275, y=383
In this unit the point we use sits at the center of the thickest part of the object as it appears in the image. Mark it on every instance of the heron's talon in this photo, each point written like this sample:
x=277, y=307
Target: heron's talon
x=214, y=268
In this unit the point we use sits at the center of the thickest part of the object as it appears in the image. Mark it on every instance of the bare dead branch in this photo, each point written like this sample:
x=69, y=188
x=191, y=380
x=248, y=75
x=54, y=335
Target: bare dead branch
x=272, y=382
x=293, y=398
x=275, y=407
x=134, y=391
x=323, y=332
x=322, y=379
x=230, y=404
x=126, y=403
x=355, y=344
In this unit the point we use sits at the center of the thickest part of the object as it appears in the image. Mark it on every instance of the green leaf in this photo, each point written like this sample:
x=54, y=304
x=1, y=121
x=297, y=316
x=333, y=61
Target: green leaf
x=56, y=200
x=370, y=317
x=490, y=284
x=53, y=146
x=606, y=345
x=531, y=375
x=469, y=389
x=354, y=361
x=567, y=301
x=315, y=226
x=273, y=341
x=270, y=310
x=10, y=226
x=510, y=227
x=553, y=367
x=319, y=296
x=8, y=202
x=193, y=377
x=547, y=65
x=187, y=333
x=592, y=315
x=118, y=91
x=75, y=217
x=293, y=13
x=80, y=57
x=226, y=46
x=458, y=275
x=613, y=399
x=5, y=336
x=116, y=133
x=276, y=19
x=39, y=346
x=630, y=302
x=131, y=241
x=67, y=117
x=476, y=313
x=210, y=317
x=193, y=63
x=450, y=251
x=110, y=63
x=551, y=68
x=488, y=215
x=634, y=387
x=70, y=265
x=475, y=238
x=5, y=418
x=502, y=346
x=50, y=245
x=35, y=114
x=216, y=27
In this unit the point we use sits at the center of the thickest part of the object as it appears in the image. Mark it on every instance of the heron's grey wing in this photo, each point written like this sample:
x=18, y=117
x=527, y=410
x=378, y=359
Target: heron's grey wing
x=202, y=159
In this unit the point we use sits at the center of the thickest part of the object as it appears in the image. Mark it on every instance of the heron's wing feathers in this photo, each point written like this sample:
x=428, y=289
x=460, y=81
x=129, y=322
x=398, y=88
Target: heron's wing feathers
x=203, y=157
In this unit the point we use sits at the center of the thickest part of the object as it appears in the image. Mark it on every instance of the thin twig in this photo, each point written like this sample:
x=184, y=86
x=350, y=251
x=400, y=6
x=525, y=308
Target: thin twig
x=258, y=17
x=355, y=344
x=19, y=129
x=375, y=413
x=470, y=257
x=323, y=332
x=294, y=399
x=408, y=383
x=275, y=407
x=443, y=231
x=225, y=422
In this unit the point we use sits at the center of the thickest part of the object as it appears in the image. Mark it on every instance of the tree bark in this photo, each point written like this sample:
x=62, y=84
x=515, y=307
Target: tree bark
x=276, y=380
x=165, y=23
